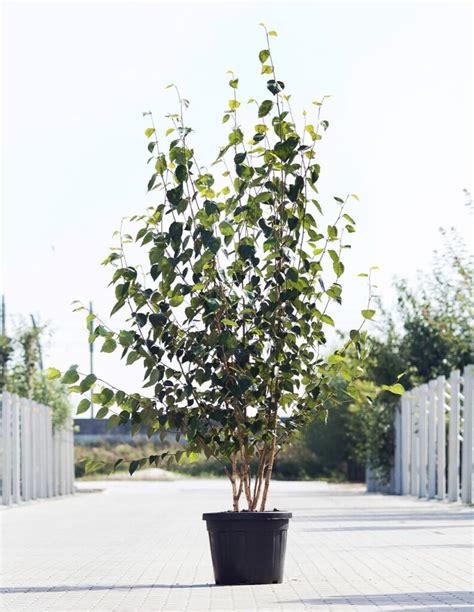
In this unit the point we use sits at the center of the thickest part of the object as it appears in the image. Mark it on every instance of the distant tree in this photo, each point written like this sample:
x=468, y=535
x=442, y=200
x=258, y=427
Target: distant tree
x=429, y=334
x=24, y=374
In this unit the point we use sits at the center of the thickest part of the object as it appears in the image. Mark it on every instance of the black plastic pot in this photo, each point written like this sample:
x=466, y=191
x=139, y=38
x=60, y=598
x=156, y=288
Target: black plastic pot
x=248, y=547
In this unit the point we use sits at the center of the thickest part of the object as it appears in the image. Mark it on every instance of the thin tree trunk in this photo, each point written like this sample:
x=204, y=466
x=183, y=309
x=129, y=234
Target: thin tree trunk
x=233, y=478
x=245, y=476
x=268, y=474
x=259, y=478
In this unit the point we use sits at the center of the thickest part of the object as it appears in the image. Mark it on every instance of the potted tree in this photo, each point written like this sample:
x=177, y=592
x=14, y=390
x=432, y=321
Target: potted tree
x=229, y=311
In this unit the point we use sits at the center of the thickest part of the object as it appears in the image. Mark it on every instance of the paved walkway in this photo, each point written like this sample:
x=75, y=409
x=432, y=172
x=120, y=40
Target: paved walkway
x=143, y=546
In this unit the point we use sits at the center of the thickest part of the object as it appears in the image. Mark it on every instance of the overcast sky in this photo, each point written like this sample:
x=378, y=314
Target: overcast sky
x=76, y=78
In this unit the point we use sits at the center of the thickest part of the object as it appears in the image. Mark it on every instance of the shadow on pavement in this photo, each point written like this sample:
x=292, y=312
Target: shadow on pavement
x=432, y=608
x=383, y=528
x=66, y=588
x=386, y=516
x=461, y=599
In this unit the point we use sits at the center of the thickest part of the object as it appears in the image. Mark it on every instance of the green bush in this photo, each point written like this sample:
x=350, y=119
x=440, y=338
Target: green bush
x=297, y=462
x=105, y=454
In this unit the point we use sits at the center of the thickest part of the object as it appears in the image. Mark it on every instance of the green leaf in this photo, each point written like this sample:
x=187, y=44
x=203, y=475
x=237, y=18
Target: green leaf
x=229, y=322
x=113, y=421
x=214, y=244
x=396, y=389
x=210, y=207
x=368, y=314
x=338, y=268
x=174, y=195
x=133, y=467
x=151, y=182
x=226, y=228
x=158, y=319
x=284, y=149
x=264, y=55
x=246, y=251
x=176, y=300
x=175, y=230
x=327, y=319
x=234, y=83
x=106, y=396
x=102, y=412
x=181, y=173
x=275, y=87
x=109, y=346
x=149, y=132
x=354, y=334
x=126, y=338
x=71, y=376
x=160, y=164
x=83, y=406
x=90, y=317
x=264, y=108
x=52, y=373
x=87, y=382
x=236, y=136
x=117, y=463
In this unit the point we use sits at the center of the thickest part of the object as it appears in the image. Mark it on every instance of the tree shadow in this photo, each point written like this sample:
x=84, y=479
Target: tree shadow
x=434, y=600
x=66, y=588
x=382, y=528
x=410, y=546
x=388, y=516
x=432, y=608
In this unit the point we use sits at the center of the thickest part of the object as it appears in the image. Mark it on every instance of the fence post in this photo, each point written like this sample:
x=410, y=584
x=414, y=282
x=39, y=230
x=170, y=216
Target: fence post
x=397, y=468
x=453, y=438
x=441, y=437
x=414, y=443
x=25, y=444
x=41, y=450
x=56, y=463
x=6, y=450
x=50, y=453
x=15, y=448
x=468, y=435
x=34, y=449
x=431, y=439
x=422, y=397
x=70, y=449
x=61, y=463
x=45, y=449
x=406, y=439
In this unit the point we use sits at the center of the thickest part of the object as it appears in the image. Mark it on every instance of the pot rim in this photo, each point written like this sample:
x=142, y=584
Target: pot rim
x=230, y=515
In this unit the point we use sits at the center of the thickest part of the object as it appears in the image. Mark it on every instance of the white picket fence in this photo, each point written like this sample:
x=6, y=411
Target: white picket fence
x=36, y=460
x=434, y=450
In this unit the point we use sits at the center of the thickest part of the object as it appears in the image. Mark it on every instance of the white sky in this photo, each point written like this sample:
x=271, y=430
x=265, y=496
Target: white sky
x=77, y=76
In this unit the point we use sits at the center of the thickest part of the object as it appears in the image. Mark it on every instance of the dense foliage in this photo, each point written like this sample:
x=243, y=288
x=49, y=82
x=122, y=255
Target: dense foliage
x=229, y=312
